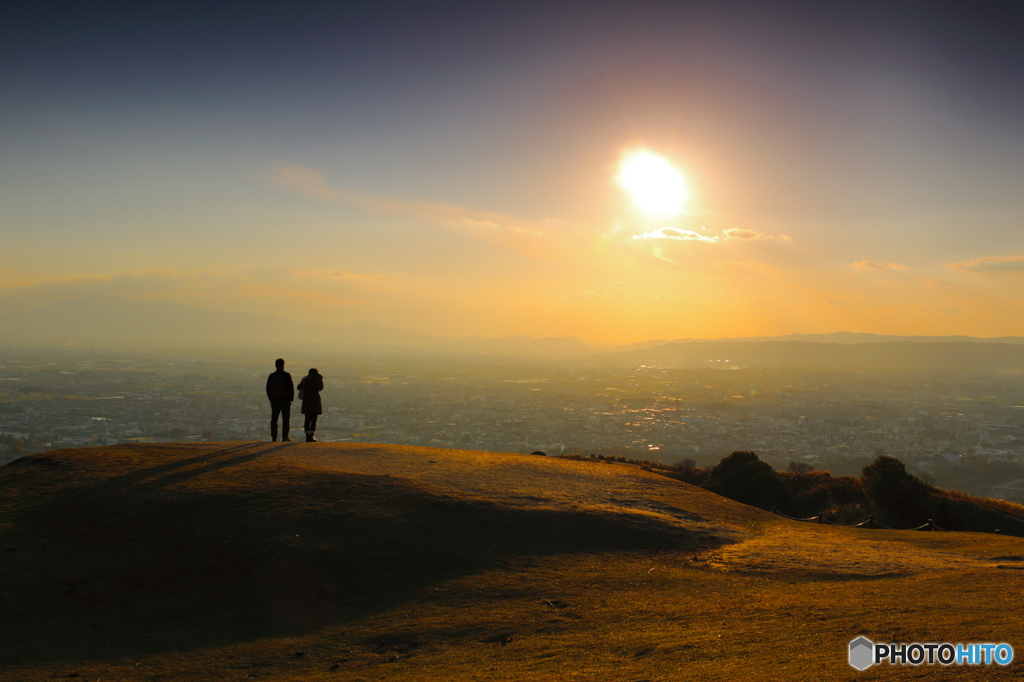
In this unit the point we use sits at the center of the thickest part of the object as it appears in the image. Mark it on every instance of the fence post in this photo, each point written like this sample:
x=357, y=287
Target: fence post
x=997, y=531
x=871, y=521
x=820, y=517
x=931, y=525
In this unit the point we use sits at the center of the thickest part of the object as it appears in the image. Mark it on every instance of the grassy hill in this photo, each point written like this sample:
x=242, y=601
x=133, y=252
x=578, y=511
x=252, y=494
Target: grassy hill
x=227, y=561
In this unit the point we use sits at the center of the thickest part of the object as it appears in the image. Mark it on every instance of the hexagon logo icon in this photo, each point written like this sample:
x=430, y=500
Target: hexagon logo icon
x=862, y=653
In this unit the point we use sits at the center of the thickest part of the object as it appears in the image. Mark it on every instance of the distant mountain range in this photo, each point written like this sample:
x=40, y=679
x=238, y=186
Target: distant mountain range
x=977, y=356
x=114, y=322
x=846, y=338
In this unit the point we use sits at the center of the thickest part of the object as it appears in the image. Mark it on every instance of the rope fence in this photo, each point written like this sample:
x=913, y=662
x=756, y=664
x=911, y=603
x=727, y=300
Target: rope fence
x=869, y=522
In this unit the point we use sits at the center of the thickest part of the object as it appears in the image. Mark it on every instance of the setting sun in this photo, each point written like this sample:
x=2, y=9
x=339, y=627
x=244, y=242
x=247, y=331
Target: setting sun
x=654, y=185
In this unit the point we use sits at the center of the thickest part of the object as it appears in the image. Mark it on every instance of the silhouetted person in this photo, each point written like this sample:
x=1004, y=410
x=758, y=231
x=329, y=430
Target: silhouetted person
x=309, y=394
x=281, y=392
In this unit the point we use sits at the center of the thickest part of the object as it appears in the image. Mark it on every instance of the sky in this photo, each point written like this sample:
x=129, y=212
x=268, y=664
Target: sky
x=452, y=168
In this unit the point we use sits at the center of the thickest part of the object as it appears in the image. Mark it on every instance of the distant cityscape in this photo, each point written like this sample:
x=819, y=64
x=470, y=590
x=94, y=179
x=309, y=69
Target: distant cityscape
x=959, y=431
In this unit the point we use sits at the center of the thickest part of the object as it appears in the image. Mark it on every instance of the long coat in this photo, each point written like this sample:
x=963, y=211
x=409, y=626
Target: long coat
x=311, y=385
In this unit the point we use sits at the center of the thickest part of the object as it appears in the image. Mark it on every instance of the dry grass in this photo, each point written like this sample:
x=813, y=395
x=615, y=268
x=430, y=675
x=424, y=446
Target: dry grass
x=225, y=561
x=1002, y=506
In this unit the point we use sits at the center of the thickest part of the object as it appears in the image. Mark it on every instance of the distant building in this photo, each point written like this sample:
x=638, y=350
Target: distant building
x=997, y=432
x=946, y=460
x=1012, y=490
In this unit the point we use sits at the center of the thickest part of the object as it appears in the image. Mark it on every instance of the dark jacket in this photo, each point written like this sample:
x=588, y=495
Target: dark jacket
x=280, y=387
x=311, y=385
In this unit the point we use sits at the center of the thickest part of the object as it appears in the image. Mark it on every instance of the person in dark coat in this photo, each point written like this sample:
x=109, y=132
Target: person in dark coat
x=281, y=392
x=309, y=394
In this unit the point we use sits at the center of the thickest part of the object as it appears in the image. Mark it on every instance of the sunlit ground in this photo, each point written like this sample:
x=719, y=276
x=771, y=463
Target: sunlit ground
x=224, y=561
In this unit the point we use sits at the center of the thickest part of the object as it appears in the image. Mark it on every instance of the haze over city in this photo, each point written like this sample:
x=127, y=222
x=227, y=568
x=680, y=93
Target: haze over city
x=614, y=172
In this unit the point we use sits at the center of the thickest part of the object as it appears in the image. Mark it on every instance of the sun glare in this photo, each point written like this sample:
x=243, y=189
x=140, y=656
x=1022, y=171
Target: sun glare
x=655, y=186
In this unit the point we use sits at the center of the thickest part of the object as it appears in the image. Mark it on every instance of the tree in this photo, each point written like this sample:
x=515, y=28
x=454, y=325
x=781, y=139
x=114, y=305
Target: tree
x=889, y=487
x=740, y=464
x=743, y=477
x=688, y=471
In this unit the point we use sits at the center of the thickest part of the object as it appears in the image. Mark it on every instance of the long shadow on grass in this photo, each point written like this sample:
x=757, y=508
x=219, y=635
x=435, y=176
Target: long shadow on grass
x=179, y=467
x=119, y=571
x=211, y=463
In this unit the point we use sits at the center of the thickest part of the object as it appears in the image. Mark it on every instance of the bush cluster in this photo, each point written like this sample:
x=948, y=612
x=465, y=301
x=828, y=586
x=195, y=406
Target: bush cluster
x=885, y=490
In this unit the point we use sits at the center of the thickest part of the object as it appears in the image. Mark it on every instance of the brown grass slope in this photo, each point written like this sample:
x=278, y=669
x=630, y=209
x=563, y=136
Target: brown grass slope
x=330, y=561
x=961, y=511
x=157, y=548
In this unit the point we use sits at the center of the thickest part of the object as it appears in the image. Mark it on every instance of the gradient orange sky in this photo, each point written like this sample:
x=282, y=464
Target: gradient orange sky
x=451, y=171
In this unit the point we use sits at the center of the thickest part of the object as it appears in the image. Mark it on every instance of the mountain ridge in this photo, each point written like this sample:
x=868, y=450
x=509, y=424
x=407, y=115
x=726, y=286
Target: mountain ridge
x=125, y=323
x=895, y=356
x=112, y=321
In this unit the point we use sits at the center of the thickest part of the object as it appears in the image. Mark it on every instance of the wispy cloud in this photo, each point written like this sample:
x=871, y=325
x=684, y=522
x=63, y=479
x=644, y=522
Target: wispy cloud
x=933, y=282
x=338, y=279
x=599, y=295
x=751, y=235
x=248, y=289
x=522, y=236
x=872, y=265
x=731, y=234
x=677, y=234
x=990, y=264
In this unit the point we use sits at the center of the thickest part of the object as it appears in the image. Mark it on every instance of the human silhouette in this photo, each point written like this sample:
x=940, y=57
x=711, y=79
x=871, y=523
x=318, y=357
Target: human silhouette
x=281, y=392
x=309, y=394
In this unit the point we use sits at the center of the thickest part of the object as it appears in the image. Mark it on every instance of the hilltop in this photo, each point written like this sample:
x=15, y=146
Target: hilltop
x=350, y=561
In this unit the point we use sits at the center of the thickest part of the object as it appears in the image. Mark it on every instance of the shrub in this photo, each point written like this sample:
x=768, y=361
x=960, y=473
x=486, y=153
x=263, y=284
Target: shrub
x=687, y=470
x=889, y=488
x=845, y=491
x=799, y=467
x=743, y=477
x=815, y=492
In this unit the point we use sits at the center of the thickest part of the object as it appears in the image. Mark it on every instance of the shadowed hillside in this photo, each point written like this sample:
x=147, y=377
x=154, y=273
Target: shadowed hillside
x=323, y=561
x=156, y=548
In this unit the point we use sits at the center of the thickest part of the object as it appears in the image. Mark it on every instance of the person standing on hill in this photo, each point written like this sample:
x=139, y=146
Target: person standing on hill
x=309, y=394
x=281, y=392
